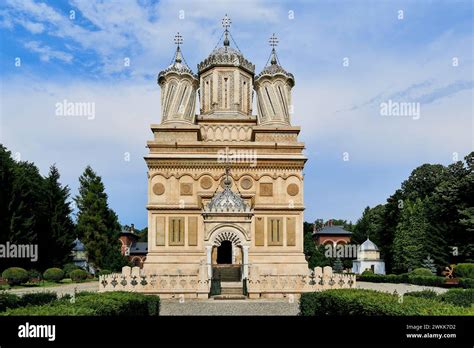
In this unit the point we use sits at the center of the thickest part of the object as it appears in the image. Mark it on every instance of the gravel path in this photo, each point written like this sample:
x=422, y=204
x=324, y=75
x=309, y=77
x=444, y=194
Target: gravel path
x=60, y=289
x=229, y=307
x=401, y=288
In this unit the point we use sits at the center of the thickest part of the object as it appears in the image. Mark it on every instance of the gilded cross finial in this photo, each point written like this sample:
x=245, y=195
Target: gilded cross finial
x=178, y=39
x=273, y=41
x=226, y=22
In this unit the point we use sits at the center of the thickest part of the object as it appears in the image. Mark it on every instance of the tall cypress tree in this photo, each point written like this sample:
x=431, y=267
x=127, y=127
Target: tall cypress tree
x=61, y=228
x=97, y=224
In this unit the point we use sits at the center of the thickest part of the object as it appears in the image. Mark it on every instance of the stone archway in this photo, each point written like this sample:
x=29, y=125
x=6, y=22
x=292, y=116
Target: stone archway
x=231, y=239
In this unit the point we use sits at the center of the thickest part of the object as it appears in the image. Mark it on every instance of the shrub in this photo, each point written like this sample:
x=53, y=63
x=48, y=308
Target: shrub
x=15, y=275
x=53, y=274
x=459, y=297
x=104, y=272
x=34, y=274
x=423, y=294
x=38, y=298
x=466, y=283
x=104, y=304
x=367, y=272
x=427, y=280
x=464, y=270
x=422, y=272
x=78, y=275
x=8, y=301
x=373, y=303
x=68, y=268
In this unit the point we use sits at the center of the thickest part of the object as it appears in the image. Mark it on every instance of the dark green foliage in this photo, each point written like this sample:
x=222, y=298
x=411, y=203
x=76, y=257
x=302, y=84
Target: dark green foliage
x=104, y=304
x=466, y=283
x=403, y=278
x=78, y=275
x=8, y=300
x=440, y=215
x=429, y=264
x=367, y=272
x=15, y=275
x=430, y=294
x=53, y=274
x=360, y=302
x=97, y=224
x=68, y=268
x=464, y=270
x=39, y=298
x=104, y=272
x=337, y=267
x=421, y=272
x=34, y=210
x=34, y=274
x=459, y=297
x=314, y=253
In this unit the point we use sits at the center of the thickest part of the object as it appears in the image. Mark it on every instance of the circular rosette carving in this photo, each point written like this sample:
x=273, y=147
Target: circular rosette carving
x=206, y=183
x=292, y=189
x=158, y=189
x=246, y=183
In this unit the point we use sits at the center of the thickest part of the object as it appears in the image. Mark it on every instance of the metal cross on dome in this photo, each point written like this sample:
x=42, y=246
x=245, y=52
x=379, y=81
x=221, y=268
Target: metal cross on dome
x=178, y=39
x=273, y=41
x=226, y=22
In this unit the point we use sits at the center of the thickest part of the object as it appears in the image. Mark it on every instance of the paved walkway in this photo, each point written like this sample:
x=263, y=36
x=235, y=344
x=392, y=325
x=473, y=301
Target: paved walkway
x=401, y=288
x=229, y=307
x=60, y=289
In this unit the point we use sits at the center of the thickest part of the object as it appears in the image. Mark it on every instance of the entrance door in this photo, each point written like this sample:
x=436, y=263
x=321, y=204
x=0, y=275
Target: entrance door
x=224, y=252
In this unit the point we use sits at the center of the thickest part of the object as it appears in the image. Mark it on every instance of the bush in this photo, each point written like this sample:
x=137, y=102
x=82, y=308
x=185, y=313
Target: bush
x=104, y=272
x=464, y=270
x=8, y=301
x=68, y=268
x=422, y=272
x=53, y=274
x=367, y=272
x=427, y=280
x=369, y=302
x=466, y=283
x=430, y=294
x=38, y=298
x=15, y=275
x=78, y=275
x=103, y=304
x=459, y=297
x=34, y=274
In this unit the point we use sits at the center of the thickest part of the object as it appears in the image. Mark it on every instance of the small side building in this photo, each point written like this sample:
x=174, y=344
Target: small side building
x=332, y=234
x=135, y=251
x=368, y=258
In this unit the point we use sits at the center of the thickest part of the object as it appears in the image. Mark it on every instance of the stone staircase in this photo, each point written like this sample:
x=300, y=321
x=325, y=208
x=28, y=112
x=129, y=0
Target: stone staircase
x=231, y=283
x=231, y=291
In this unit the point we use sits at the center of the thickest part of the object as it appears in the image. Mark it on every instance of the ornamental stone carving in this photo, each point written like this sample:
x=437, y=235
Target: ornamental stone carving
x=206, y=183
x=246, y=183
x=158, y=189
x=292, y=189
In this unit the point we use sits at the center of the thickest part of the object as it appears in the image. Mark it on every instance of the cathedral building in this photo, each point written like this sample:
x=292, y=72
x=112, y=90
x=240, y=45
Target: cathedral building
x=225, y=186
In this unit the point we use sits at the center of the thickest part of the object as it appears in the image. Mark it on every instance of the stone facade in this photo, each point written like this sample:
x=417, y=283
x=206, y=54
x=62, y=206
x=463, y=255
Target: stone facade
x=225, y=187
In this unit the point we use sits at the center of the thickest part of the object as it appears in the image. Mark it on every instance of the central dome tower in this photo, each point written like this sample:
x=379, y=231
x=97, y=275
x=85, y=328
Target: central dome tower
x=226, y=80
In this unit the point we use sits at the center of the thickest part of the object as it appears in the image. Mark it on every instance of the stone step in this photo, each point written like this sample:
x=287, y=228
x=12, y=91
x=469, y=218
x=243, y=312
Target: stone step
x=227, y=291
x=229, y=297
x=231, y=284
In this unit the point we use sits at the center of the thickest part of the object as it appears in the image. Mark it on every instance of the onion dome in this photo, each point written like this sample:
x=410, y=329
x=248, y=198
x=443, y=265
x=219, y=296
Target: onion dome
x=368, y=245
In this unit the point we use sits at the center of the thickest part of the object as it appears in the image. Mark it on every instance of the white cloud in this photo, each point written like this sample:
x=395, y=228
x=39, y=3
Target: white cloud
x=46, y=52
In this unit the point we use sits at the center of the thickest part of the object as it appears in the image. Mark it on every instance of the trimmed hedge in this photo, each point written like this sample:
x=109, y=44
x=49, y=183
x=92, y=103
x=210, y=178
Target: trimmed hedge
x=464, y=270
x=8, y=301
x=423, y=294
x=53, y=274
x=458, y=297
x=38, y=298
x=403, y=278
x=466, y=283
x=369, y=302
x=104, y=304
x=15, y=275
x=78, y=275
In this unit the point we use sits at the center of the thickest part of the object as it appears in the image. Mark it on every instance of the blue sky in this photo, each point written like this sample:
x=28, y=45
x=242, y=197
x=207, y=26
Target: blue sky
x=407, y=59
